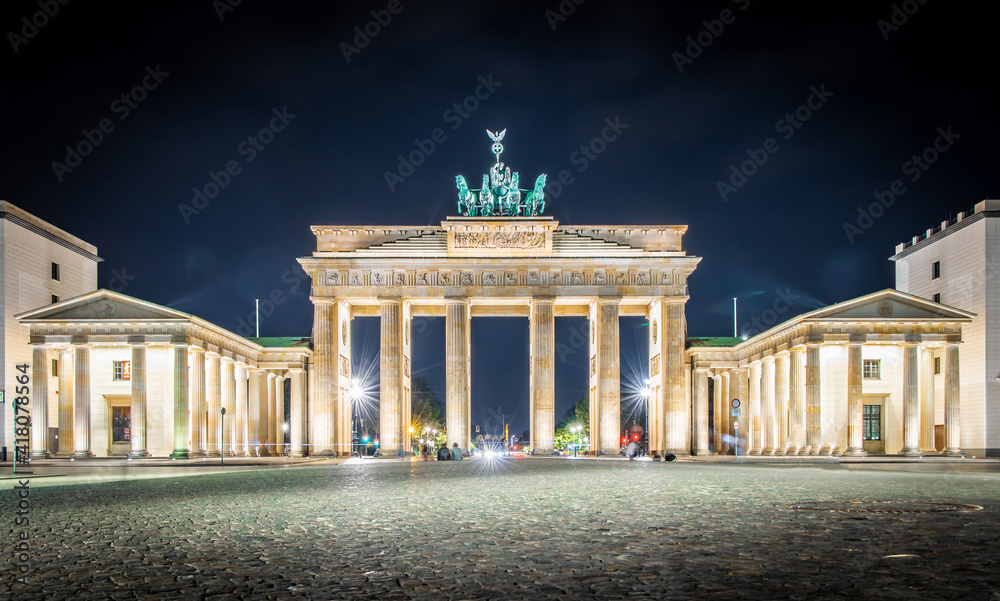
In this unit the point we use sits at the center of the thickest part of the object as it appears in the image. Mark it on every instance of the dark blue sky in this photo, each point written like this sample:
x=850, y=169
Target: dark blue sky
x=884, y=94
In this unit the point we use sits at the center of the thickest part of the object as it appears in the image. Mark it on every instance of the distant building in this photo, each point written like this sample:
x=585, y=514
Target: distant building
x=40, y=265
x=957, y=263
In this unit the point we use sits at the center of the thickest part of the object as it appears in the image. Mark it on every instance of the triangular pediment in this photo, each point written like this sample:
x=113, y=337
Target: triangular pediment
x=890, y=304
x=102, y=305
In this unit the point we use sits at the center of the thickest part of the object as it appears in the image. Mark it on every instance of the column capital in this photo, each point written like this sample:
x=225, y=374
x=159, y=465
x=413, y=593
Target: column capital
x=196, y=349
x=271, y=375
x=180, y=345
x=280, y=376
x=768, y=359
x=225, y=359
x=296, y=370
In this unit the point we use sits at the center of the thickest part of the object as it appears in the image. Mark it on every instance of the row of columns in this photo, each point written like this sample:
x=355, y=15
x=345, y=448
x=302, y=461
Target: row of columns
x=331, y=406
x=782, y=396
x=253, y=424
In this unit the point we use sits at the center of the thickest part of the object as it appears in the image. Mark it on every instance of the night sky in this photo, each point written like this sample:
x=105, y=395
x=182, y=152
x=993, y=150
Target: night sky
x=830, y=107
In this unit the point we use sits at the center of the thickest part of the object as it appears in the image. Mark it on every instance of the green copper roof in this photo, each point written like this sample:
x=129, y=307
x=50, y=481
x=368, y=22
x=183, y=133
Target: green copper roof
x=714, y=341
x=281, y=341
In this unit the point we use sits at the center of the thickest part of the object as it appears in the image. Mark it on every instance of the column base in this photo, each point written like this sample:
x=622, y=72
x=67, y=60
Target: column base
x=768, y=452
x=912, y=453
x=180, y=454
x=81, y=454
x=40, y=455
x=753, y=452
x=198, y=454
x=138, y=454
x=954, y=453
x=326, y=453
x=215, y=454
x=855, y=452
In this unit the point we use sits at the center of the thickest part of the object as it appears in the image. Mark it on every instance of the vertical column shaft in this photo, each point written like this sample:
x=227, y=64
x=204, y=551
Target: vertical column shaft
x=343, y=407
x=457, y=394
x=952, y=442
x=725, y=417
x=138, y=409
x=543, y=376
x=253, y=410
x=927, y=445
x=81, y=402
x=718, y=406
x=240, y=410
x=608, y=376
x=297, y=402
x=391, y=381
x=855, y=400
x=199, y=406
x=65, y=446
x=796, y=402
x=781, y=367
x=700, y=377
x=911, y=400
x=740, y=383
x=181, y=409
x=753, y=411
x=213, y=397
x=39, y=402
x=814, y=428
x=325, y=381
x=279, y=414
x=676, y=408
x=767, y=416
x=227, y=423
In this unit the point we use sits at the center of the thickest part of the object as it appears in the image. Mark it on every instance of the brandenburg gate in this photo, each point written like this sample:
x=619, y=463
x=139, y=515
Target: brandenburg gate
x=499, y=257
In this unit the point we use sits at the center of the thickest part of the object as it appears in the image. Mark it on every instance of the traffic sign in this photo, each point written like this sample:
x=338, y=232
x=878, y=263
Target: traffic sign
x=736, y=412
x=736, y=403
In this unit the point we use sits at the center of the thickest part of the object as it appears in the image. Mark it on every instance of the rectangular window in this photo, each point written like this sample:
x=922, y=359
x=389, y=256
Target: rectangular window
x=871, y=425
x=937, y=298
x=935, y=270
x=937, y=365
x=122, y=370
x=55, y=271
x=55, y=367
x=121, y=424
x=55, y=299
x=872, y=369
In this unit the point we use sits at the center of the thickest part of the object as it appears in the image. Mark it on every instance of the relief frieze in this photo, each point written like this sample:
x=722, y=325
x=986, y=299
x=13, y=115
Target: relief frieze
x=499, y=240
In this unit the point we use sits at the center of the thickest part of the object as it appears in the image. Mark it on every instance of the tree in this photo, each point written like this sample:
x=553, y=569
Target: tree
x=575, y=416
x=426, y=411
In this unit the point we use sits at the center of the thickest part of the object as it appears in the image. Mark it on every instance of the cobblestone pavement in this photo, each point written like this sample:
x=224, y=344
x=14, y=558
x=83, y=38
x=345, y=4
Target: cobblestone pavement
x=513, y=529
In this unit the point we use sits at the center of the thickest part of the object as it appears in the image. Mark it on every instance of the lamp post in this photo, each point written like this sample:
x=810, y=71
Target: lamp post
x=222, y=434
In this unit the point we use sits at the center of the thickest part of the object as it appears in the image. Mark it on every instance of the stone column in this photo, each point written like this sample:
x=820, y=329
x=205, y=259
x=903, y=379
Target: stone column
x=279, y=414
x=740, y=387
x=240, y=448
x=65, y=442
x=343, y=409
x=952, y=441
x=181, y=417
x=676, y=404
x=753, y=411
x=457, y=395
x=266, y=414
x=213, y=397
x=911, y=400
x=814, y=427
x=781, y=366
x=700, y=394
x=324, y=378
x=199, y=406
x=253, y=410
x=767, y=417
x=927, y=403
x=137, y=433
x=227, y=386
x=656, y=407
x=81, y=398
x=39, y=402
x=797, y=403
x=725, y=417
x=605, y=431
x=391, y=381
x=718, y=406
x=543, y=376
x=297, y=405
x=855, y=402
